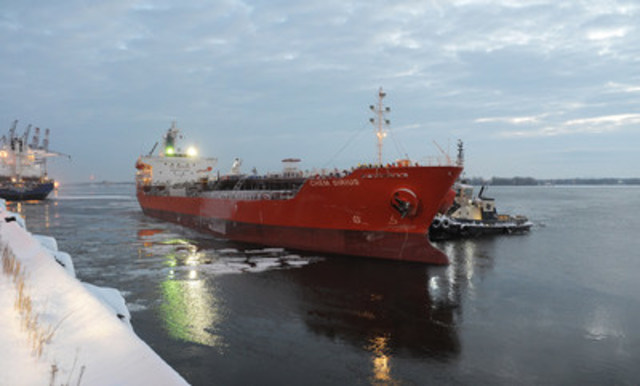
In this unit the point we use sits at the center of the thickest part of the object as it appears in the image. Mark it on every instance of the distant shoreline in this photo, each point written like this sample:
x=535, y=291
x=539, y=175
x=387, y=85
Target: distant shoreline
x=493, y=181
x=530, y=181
x=99, y=183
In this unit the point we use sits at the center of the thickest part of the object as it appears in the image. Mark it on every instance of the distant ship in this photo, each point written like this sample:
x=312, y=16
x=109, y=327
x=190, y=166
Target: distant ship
x=379, y=211
x=23, y=172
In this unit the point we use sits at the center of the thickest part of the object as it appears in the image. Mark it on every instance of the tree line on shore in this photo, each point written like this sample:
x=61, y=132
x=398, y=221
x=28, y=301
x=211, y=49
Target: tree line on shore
x=530, y=181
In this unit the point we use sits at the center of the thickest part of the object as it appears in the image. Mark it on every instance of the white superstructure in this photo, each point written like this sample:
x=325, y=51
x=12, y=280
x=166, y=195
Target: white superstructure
x=171, y=166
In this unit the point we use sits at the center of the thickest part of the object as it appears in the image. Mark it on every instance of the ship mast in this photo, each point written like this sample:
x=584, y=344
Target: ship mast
x=380, y=122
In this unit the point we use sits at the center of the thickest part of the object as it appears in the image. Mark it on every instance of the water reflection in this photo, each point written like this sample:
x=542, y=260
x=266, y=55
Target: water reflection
x=389, y=311
x=601, y=323
x=183, y=253
x=37, y=214
x=468, y=259
x=144, y=235
x=392, y=310
x=191, y=309
x=381, y=307
x=379, y=347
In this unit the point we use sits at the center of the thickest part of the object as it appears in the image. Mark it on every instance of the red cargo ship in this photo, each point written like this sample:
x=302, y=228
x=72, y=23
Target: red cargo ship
x=379, y=211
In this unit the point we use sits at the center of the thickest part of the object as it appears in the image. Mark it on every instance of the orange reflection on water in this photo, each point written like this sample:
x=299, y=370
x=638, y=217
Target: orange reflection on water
x=142, y=233
x=47, y=219
x=148, y=232
x=381, y=360
x=35, y=210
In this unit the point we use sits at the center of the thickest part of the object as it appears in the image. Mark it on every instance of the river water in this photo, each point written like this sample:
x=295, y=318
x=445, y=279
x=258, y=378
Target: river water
x=560, y=305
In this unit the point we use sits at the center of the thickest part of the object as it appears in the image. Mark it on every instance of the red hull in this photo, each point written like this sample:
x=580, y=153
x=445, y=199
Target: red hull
x=352, y=215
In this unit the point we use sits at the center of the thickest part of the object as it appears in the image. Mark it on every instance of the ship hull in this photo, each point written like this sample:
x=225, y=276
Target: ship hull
x=38, y=192
x=376, y=244
x=352, y=215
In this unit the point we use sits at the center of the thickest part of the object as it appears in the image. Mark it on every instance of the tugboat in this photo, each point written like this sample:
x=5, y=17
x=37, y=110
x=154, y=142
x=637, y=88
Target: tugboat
x=23, y=171
x=467, y=216
x=471, y=217
x=380, y=211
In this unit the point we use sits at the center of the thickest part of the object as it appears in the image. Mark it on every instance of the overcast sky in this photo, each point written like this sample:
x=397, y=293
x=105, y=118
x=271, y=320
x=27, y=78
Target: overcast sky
x=540, y=88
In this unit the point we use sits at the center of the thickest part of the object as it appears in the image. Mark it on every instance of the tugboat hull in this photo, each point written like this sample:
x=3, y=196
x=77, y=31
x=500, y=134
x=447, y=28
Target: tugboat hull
x=446, y=228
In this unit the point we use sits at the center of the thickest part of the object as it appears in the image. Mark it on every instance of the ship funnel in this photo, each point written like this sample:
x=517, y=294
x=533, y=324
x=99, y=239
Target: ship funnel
x=290, y=167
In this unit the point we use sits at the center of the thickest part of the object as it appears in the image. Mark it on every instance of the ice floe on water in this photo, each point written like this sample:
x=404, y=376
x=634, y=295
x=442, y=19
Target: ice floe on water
x=253, y=264
x=264, y=251
x=215, y=263
x=180, y=254
x=136, y=307
x=95, y=197
x=228, y=251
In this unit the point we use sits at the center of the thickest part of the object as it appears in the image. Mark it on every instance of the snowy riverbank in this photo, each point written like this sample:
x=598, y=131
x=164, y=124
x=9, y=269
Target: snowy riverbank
x=58, y=330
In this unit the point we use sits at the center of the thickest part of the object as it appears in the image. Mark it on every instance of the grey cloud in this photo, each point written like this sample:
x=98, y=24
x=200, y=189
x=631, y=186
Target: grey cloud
x=283, y=72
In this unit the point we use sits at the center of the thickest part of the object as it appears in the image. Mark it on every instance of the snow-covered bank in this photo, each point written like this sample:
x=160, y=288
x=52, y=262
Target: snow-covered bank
x=57, y=330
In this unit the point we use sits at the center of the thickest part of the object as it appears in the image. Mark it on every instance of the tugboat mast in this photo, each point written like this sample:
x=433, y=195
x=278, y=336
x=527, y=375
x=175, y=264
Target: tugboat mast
x=380, y=122
x=460, y=159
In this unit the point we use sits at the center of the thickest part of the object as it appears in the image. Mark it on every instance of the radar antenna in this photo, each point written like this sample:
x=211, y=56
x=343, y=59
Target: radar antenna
x=170, y=148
